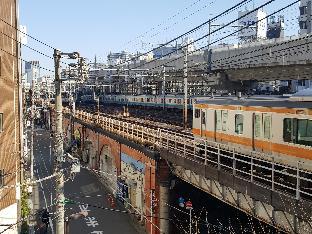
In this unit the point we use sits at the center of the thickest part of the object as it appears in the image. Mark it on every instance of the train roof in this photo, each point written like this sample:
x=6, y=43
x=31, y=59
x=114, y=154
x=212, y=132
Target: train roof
x=284, y=102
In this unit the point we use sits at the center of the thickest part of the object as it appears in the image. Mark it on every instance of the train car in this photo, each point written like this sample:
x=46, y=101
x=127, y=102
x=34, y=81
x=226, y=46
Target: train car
x=281, y=128
x=159, y=101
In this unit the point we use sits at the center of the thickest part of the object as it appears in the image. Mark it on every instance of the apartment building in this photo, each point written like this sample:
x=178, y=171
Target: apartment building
x=10, y=128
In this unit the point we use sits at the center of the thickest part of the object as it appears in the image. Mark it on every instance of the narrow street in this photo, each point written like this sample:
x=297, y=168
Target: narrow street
x=83, y=189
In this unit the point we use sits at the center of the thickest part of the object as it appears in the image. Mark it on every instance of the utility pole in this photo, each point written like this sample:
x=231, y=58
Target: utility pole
x=164, y=87
x=58, y=139
x=185, y=86
x=209, y=32
x=59, y=146
x=32, y=126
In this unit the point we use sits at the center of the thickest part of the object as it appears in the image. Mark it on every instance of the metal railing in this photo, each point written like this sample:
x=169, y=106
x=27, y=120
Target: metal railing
x=275, y=176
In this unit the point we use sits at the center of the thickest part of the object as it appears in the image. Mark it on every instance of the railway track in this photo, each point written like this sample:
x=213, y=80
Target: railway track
x=147, y=122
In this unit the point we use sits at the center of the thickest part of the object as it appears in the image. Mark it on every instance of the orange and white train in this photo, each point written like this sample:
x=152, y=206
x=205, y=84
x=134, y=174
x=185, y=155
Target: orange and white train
x=278, y=128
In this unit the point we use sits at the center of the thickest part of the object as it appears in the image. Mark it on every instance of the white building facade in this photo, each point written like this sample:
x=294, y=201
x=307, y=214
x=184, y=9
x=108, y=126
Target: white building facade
x=32, y=70
x=305, y=9
x=253, y=24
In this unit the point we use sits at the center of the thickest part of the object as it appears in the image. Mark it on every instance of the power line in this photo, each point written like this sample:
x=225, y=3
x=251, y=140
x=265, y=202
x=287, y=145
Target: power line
x=169, y=18
x=223, y=26
x=37, y=40
x=168, y=27
x=25, y=60
x=192, y=30
x=281, y=9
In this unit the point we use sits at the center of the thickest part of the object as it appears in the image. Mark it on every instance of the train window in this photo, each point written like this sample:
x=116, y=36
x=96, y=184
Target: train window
x=218, y=120
x=197, y=113
x=224, y=119
x=203, y=117
x=174, y=100
x=148, y=100
x=169, y=100
x=288, y=130
x=257, y=127
x=179, y=101
x=162, y=100
x=267, y=127
x=239, y=123
x=304, y=134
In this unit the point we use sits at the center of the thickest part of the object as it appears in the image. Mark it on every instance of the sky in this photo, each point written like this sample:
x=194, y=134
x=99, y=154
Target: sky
x=97, y=27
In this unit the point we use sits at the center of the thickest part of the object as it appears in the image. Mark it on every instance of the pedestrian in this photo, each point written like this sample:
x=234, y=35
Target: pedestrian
x=45, y=218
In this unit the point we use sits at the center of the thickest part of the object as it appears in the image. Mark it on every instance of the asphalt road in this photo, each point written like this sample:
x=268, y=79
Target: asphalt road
x=84, y=189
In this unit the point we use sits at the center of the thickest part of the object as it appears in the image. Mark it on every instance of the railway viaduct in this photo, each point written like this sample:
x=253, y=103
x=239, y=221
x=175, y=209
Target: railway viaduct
x=141, y=158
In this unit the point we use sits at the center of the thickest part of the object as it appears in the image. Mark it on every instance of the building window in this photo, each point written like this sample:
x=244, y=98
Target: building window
x=1, y=178
x=267, y=127
x=257, y=127
x=303, y=10
x=197, y=113
x=303, y=25
x=302, y=82
x=1, y=122
x=239, y=124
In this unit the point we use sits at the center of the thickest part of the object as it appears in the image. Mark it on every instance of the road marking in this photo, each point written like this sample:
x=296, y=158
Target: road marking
x=84, y=208
x=91, y=221
x=89, y=189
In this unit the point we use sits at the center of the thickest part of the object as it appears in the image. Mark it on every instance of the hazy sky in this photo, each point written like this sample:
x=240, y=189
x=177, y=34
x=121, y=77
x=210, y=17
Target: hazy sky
x=100, y=26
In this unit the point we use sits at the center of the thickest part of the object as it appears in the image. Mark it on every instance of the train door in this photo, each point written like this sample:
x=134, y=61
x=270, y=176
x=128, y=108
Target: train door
x=267, y=131
x=203, y=122
x=218, y=123
x=256, y=126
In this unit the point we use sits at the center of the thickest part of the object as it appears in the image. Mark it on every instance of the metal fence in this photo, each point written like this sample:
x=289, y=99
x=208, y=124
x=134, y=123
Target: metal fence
x=278, y=177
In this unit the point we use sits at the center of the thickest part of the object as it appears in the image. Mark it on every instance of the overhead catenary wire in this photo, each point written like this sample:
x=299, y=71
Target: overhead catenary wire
x=175, y=23
x=192, y=14
x=190, y=31
x=162, y=23
x=220, y=39
x=223, y=26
